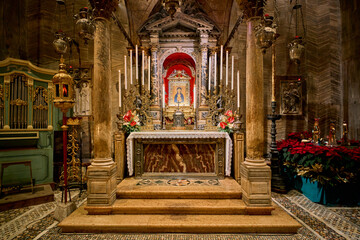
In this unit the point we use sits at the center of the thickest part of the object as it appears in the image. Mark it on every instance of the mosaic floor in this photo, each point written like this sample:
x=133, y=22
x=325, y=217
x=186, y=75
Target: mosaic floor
x=319, y=222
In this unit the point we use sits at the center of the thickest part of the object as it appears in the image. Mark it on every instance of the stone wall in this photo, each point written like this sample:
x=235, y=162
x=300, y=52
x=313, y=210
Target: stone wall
x=350, y=50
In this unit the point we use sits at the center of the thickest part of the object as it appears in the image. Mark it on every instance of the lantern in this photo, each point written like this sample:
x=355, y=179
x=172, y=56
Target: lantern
x=64, y=88
x=265, y=33
x=60, y=43
x=85, y=25
x=296, y=49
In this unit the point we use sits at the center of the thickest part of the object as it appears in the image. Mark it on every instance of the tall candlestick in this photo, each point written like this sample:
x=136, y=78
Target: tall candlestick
x=221, y=62
x=119, y=88
x=238, y=89
x=125, y=72
x=232, y=72
x=164, y=95
x=227, y=68
x=149, y=74
x=142, y=68
x=131, y=68
x=194, y=96
x=273, y=74
x=136, y=63
x=215, y=76
x=210, y=74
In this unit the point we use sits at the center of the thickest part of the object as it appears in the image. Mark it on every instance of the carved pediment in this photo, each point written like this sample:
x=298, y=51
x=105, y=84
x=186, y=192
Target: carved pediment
x=181, y=23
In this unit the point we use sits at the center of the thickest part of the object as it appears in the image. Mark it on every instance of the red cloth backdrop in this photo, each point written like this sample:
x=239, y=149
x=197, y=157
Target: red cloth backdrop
x=188, y=72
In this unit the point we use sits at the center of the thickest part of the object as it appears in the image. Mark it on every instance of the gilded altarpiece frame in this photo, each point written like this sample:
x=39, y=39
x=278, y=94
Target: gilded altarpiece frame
x=218, y=157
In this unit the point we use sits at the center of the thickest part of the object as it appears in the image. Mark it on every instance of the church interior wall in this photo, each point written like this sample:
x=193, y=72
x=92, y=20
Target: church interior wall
x=329, y=68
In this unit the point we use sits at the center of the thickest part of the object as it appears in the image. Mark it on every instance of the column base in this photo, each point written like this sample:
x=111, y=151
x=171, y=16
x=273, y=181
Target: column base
x=256, y=185
x=101, y=187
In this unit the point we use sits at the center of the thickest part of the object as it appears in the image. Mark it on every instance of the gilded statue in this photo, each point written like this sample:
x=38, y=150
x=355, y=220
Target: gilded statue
x=332, y=133
x=316, y=131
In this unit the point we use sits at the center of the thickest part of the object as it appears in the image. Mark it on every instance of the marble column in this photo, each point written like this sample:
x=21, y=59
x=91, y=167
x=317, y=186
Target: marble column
x=255, y=174
x=102, y=171
x=204, y=75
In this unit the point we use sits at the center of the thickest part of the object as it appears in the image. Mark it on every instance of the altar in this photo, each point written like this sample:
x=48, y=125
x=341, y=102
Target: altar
x=179, y=154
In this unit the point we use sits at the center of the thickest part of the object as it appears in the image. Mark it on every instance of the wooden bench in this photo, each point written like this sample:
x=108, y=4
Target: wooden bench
x=26, y=163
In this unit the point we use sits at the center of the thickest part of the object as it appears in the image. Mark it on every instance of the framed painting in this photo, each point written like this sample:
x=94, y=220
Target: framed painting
x=179, y=93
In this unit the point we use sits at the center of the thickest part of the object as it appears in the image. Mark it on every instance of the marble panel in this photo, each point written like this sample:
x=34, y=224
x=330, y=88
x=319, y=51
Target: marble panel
x=180, y=158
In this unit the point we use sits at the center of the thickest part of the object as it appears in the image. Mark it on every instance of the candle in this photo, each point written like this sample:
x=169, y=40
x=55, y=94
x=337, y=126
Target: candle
x=149, y=73
x=221, y=62
x=215, y=76
x=232, y=72
x=119, y=88
x=125, y=72
x=238, y=89
x=136, y=63
x=210, y=74
x=227, y=68
x=131, y=67
x=194, y=96
x=273, y=74
x=163, y=95
x=142, y=68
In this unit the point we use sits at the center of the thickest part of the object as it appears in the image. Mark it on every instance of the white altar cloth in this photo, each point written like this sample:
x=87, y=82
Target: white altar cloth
x=178, y=135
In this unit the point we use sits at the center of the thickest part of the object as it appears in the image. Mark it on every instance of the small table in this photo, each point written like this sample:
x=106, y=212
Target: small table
x=26, y=163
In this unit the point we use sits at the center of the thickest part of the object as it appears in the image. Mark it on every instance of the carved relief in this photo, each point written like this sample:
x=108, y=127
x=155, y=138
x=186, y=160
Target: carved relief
x=291, y=97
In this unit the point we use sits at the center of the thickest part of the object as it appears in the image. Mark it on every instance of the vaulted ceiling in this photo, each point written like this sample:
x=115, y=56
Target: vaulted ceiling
x=217, y=10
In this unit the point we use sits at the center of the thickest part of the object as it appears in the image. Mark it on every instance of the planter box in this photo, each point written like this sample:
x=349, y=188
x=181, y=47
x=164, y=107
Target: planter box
x=345, y=194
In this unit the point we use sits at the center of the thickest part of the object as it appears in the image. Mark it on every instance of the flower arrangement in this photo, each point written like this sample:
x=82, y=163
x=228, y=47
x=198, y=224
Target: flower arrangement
x=327, y=165
x=226, y=123
x=131, y=122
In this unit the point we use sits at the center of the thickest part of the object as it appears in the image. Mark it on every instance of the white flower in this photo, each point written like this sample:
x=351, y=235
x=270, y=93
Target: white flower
x=126, y=123
x=231, y=125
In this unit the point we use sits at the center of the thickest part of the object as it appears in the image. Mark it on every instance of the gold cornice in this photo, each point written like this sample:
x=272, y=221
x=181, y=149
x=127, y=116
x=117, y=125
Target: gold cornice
x=9, y=61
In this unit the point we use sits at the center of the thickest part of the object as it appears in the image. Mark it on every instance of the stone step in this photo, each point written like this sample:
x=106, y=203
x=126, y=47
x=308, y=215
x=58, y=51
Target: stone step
x=278, y=222
x=173, y=189
x=179, y=206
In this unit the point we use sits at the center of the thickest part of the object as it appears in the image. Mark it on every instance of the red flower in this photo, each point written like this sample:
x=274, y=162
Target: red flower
x=127, y=116
x=229, y=113
x=223, y=125
x=133, y=123
x=231, y=119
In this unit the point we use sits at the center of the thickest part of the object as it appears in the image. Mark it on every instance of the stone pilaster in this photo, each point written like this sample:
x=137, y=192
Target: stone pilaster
x=102, y=171
x=255, y=174
x=155, y=84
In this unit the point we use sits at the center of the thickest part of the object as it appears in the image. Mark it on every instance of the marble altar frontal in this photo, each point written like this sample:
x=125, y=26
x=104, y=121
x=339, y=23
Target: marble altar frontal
x=180, y=158
x=179, y=153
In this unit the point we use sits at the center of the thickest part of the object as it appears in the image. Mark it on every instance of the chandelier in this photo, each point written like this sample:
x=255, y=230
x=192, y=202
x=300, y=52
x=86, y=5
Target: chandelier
x=296, y=46
x=265, y=33
x=171, y=6
x=85, y=24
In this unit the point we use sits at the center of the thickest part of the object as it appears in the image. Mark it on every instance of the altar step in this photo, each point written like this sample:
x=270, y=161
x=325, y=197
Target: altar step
x=81, y=222
x=131, y=188
x=180, y=206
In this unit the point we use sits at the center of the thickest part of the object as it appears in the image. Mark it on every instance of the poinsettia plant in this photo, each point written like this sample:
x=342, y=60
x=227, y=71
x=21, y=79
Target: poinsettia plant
x=226, y=123
x=131, y=122
x=327, y=165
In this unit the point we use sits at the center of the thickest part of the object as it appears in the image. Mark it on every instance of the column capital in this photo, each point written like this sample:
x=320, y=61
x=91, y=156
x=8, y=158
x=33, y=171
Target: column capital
x=213, y=50
x=251, y=8
x=104, y=8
